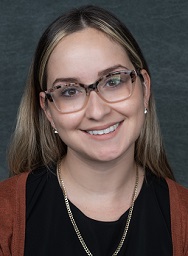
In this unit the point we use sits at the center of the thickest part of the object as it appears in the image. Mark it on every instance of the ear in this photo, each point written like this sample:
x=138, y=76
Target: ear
x=147, y=86
x=43, y=104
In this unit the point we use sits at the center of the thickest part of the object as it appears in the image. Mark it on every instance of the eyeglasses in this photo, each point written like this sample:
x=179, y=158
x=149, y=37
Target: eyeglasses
x=70, y=97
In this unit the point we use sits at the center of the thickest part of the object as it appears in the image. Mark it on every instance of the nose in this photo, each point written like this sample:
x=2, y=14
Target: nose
x=96, y=108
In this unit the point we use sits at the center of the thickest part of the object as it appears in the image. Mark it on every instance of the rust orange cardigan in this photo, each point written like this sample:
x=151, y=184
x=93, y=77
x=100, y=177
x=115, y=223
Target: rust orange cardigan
x=12, y=216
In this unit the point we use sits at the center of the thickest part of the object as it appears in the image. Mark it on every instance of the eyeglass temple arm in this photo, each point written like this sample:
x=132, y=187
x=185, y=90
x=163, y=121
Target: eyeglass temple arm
x=48, y=96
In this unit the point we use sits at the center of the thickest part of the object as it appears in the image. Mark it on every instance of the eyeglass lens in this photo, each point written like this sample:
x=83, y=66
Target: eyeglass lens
x=114, y=87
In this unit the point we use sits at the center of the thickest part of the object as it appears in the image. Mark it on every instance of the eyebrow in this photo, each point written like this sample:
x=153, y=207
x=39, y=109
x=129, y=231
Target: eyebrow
x=100, y=74
x=110, y=69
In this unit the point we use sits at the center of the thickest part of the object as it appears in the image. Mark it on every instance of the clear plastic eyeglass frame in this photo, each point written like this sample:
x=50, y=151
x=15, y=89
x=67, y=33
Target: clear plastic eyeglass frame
x=94, y=87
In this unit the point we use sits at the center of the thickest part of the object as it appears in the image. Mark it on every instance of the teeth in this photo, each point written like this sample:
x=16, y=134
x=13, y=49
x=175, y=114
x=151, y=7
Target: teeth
x=105, y=131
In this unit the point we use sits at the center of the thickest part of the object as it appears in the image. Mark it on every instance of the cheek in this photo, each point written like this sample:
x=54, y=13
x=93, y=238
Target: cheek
x=130, y=108
x=67, y=122
x=134, y=106
x=133, y=114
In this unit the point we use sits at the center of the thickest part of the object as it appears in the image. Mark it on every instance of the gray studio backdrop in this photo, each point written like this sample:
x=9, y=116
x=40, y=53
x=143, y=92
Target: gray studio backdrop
x=161, y=30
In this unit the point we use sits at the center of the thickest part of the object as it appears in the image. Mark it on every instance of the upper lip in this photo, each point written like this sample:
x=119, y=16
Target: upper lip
x=102, y=127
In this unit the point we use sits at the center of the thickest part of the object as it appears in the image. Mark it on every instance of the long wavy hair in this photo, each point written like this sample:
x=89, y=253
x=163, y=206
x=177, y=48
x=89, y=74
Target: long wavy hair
x=34, y=143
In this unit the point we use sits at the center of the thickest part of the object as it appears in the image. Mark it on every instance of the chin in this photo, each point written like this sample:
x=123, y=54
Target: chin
x=106, y=157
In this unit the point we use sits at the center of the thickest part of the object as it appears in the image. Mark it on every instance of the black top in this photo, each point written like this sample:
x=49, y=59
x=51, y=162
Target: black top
x=49, y=231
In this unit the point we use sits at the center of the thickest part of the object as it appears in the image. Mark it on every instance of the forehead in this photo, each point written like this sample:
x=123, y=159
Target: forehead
x=88, y=50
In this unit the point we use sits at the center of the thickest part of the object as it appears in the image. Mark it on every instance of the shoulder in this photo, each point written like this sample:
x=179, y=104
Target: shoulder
x=178, y=199
x=10, y=188
x=178, y=194
x=12, y=211
x=179, y=217
x=9, y=185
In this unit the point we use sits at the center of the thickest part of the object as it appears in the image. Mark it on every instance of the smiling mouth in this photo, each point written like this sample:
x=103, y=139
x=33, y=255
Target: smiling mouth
x=105, y=131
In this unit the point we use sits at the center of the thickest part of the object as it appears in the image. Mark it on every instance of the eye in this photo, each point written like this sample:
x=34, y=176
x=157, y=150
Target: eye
x=113, y=81
x=69, y=90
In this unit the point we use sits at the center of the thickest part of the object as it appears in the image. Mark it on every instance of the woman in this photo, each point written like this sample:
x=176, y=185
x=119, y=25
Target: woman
x=90, y=172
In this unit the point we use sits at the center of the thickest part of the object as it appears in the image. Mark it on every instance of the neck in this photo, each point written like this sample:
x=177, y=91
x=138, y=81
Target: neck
x=97, y=176
x=101, y=190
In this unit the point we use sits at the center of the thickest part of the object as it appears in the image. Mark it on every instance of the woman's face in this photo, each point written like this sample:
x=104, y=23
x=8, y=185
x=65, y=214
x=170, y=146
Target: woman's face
x=84, y=56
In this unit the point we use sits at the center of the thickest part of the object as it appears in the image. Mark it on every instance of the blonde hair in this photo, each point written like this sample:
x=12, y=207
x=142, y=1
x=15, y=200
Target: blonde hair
x=34, y=143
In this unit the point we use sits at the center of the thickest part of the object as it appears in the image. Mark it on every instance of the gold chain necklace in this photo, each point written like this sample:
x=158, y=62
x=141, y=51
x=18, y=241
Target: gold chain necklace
x=75, y=225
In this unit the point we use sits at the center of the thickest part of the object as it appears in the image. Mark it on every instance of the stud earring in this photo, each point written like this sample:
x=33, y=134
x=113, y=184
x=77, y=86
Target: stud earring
x=55, y=131
x=145, y=111
x=53, y=127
